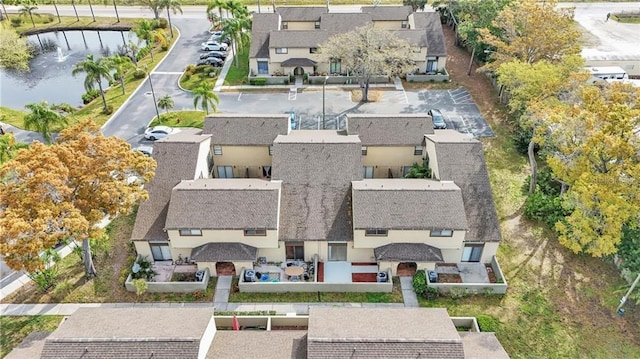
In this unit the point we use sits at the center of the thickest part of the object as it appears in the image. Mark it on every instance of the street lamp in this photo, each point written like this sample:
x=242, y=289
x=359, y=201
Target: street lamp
x=153, y=94
x=324, y=84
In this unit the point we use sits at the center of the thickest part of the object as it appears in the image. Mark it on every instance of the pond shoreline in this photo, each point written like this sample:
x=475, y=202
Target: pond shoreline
x=120, y=27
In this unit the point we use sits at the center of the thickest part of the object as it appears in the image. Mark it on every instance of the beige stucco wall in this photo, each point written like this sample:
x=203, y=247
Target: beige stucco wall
x=143, y=249
x=241, y=158
x=273, y=254
x=300, y=25
x=442, y=62
x=393, y=266
x=293, y=52
x=383, y=158
x=408, y=236
x=490, y=249
x=433, y=159
x=359, y=254
x=223, y=236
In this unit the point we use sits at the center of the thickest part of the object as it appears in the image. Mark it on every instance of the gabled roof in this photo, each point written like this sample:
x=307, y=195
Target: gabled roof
x=245, y=130
x=292, y=62
x=430, y=22
x=177, y=158
x=344, y=22
x=317, y=168
x=262, y=344
x=408, y=204
x=413, y=37
x=390, y=130
x=259, y=45
x=388, y=13
x=297, y=38
x=217, y=203
x=408, y=252
x=301, y=13
x=461, y=159
x=224, y=252
x=382, y=333
x=482, y=345
x=261, y=24
x=116, y=333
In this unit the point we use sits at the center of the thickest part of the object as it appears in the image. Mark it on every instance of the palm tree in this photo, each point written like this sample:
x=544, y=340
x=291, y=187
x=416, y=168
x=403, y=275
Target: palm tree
x=236, y=28
x=42, y=118
x=145, y=31
x=219, y=4
x=173, y=5
x=166, y=103
x=237, y=9
x=206, y=97
x=122, y=65
x=73, y=3
x=96, y=71
x=27, y=8
x=154, y=5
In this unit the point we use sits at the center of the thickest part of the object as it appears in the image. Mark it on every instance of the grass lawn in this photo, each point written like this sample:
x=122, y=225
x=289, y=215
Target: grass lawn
x=626, y=18
x=14, y=329
x=180, y=119
x=315, y=297
x=48, y=21
x=238, y=75
x=12, y=116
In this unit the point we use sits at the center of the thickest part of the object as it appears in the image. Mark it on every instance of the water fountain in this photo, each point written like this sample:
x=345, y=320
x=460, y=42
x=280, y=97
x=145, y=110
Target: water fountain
x=61, y=55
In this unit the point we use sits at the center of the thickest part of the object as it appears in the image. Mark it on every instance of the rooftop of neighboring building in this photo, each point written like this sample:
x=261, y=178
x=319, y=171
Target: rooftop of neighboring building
x=259, y=344
x=482, y=346
x=390, y=130
x=232, y=129
x=388, y=13
x=301, y=13
x=315, y=137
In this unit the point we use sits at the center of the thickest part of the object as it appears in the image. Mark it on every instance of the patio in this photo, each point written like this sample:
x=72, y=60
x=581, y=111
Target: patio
x=468, y=272
x=328, y=272
x=166, y=269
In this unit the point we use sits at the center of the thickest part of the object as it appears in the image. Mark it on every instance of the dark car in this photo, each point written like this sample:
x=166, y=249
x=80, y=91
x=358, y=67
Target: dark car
x=438, y=119
x=219, y=54
x=213, y=61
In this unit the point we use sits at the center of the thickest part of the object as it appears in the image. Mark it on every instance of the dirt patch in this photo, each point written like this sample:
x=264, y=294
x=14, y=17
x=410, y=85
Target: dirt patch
x=364, y=277
x=374, y=95
x=491, y=274
x=225, y=268
x=406, y=269
x=449, y=278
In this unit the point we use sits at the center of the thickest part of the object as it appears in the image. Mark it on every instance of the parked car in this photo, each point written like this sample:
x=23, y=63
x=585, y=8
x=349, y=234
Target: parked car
x=158, y=132
x=438, y=119
x=219, y=54
x=292, y=120
x=213, y=61
x=213, y=46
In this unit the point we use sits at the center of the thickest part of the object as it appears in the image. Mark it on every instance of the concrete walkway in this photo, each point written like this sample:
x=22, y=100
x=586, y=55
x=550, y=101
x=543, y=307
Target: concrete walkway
x=410, y=298
x=223, y=288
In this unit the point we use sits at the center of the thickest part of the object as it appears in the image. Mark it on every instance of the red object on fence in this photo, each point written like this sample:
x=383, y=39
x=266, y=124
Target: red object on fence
x=235, y=324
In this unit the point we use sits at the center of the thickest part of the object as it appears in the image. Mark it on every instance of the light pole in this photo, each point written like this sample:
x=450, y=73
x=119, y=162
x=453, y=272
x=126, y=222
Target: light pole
x=324, y=84
x=153, y=94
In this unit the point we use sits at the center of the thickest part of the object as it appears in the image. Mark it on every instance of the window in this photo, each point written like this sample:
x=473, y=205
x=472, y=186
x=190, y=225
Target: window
x=285, y=25
x=441, y=233
x=335, y=67
x=375, y=232
x=270, y=150
x=255, y=232
x=313, y=50
x=317, y=25
x=217, y=150
x=225, y=172
x=404, y=24
x=190, y=232
x=432, y=64
x=281, y=50
x=364, y=150
x=263, y=67
x=266, y=171
x=417, y=151
x=295, y=251
x=367, y=171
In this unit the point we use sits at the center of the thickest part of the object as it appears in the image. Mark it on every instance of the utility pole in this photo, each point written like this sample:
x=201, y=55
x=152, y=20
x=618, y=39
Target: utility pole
x=324, y=84
x=624, y=298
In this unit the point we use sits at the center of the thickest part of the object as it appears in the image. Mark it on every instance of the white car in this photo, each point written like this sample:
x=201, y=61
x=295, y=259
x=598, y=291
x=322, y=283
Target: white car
x=213, y=46
x=158, y=132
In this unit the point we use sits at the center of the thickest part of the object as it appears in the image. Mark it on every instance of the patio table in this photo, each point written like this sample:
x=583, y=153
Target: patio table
x=294, y=271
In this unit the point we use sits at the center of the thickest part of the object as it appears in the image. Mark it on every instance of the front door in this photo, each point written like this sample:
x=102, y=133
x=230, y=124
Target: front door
x=337, y=252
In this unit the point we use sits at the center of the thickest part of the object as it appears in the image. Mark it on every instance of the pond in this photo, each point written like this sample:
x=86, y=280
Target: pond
x=50, y=77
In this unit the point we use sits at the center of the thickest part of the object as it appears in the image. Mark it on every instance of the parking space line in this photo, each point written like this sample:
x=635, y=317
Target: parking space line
x=293, y=94
x=239, y=96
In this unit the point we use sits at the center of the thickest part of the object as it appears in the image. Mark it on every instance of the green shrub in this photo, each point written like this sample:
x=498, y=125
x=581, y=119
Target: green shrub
x=16, y=21
x=141, y=269
x=198, y=294
x=139, y=74
x=629, y=249
x=141, y=286
x=160, y=23
x=186, y=76
x=45, y=279
x=142, y=52
x=420, y=284
x=544, y=208
x=90, y=96
x=544, y=183
x=164, y=47
x=521, y=139
x=487, y=323
x=190, y=68
x=258, y=81
x=62, y=289
x=107, y=110
x=204, y=69
x=63, y=107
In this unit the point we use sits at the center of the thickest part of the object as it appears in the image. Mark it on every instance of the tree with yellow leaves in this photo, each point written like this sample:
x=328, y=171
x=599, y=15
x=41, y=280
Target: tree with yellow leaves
x=531, y=31
x=62, y=191
x=595, y=136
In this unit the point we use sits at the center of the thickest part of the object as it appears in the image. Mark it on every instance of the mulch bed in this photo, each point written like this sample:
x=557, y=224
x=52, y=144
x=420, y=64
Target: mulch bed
x=320, y=272
x=364, y=277
x=449, y=278
x=491, y=274
x=406, y=269
x=226, y=269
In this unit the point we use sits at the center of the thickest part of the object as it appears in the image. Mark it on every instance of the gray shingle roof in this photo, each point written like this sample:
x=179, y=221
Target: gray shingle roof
x=245, y=129
x=388, y=13
x=176, y=161
x=216, y=203
x=297, y=62
x=30, y=347
x=275, y=344
x=105, y=333
x=259, y=45
x=409, y=252
x=264, y=22
x=301, y=13
x=410, y=204
x=297, y=38
x=344, y=22
x=461, y=159
x=413, y=37
x=224, y=252
x=317, y=168
x=390, y=130
x=430, y=22
x=382, y=333
x=482, y=346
